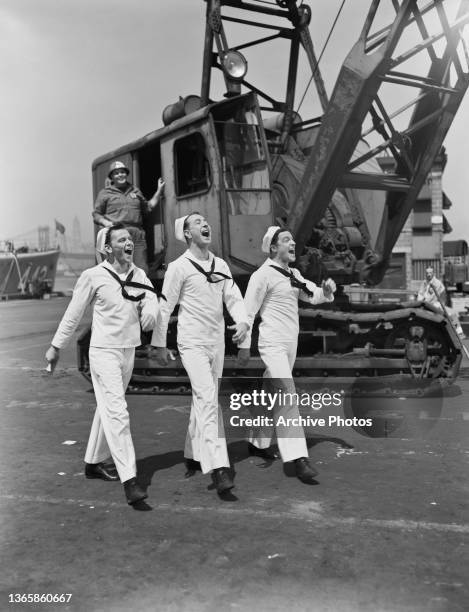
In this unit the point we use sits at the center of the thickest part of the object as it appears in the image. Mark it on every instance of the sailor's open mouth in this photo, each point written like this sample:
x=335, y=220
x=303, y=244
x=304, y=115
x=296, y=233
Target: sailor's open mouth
x=205, y=232
x=129, y=250
x=292, y=251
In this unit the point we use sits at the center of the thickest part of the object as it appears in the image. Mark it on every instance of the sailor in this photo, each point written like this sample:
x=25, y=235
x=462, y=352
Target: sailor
x=274, y=290
x=201, y=283
x=122, y=202
x=431, y=290
x=122, y=299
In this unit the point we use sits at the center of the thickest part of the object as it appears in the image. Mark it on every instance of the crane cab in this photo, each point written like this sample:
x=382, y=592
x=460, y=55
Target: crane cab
x=214, y=161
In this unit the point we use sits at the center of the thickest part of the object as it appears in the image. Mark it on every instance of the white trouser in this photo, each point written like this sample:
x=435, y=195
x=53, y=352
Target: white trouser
x=205, y=439
x=279, y=360
x=111, y=370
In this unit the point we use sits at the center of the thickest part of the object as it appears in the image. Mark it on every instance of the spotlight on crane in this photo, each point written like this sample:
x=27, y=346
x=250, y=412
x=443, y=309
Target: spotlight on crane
x=234, y=65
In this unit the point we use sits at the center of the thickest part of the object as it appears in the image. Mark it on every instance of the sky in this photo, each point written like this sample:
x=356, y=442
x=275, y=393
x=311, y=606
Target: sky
x=81, y=78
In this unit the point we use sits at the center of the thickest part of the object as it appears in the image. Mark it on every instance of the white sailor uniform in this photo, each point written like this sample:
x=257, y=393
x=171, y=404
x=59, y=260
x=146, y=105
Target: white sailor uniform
x=431, y=291
x=271, y=292
x=201, y=345
x=115, y=333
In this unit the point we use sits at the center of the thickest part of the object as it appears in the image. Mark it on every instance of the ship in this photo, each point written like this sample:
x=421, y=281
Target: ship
x=27, y=273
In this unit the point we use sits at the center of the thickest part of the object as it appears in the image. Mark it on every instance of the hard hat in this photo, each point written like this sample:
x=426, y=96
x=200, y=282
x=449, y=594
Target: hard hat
x=117, y=165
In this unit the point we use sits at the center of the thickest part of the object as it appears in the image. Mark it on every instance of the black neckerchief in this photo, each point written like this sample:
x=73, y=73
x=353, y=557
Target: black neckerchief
x=128, y=282
x=293, y=280
x=208, y=275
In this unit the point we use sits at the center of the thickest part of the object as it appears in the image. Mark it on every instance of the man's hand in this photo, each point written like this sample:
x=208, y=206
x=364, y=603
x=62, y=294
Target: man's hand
x=147, y=321
x=163, y=355
x=328, y=287
x=240, y=333
x=244, y=355
x=52, y=357
x=157, y=195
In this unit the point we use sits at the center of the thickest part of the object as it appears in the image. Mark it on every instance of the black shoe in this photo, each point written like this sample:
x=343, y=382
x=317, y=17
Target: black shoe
x=304, y=471
x=266, y=453
x=99, y=470
x=192, y=467
x=222, y=480
x=133, y=492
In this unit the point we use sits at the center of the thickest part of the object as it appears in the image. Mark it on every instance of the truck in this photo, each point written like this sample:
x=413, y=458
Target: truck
x=456, y=265
x=249, y=160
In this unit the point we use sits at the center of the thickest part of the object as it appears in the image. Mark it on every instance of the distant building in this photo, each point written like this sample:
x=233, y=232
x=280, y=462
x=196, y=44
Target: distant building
x=43, y=237
x=420, y=244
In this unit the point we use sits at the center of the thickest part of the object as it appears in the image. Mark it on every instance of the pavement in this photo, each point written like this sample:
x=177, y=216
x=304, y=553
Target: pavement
x=385, y=529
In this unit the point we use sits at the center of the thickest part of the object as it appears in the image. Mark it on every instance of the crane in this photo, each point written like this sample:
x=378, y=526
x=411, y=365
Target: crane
x=249, y=160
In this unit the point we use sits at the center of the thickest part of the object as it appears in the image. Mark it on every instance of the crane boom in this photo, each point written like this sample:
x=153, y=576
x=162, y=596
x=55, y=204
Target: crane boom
x=373, y=62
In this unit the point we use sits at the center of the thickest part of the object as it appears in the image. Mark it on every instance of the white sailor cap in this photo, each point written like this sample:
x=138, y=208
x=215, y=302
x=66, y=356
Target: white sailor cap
x=100, y=241
x=268, y=238
x=179, y=228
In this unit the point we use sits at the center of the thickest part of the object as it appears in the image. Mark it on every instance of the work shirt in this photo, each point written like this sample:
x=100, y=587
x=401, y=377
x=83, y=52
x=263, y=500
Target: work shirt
x=271, y=293
x=430, y=290
x=200, y=316
x=116, y=321
x=127, y=207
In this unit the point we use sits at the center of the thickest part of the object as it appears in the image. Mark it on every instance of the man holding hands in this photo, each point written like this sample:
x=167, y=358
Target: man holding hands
x=274, y=290
x=201, y=283
x=122, y=299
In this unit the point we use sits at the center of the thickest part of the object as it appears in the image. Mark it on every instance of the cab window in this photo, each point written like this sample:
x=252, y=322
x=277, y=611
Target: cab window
x=191, y=165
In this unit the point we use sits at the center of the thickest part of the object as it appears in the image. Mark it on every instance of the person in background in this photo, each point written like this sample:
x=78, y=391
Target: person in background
x=431, y=290
x=122, y=202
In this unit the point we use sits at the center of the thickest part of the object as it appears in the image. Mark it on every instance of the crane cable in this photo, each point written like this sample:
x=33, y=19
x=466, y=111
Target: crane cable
x=321, y=54
x=315, y=70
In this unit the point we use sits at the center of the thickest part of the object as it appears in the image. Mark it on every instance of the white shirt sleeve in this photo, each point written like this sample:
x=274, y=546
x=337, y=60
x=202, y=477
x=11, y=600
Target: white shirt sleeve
x=421, y=293
x=430, y=290
x=318, y=296
x=149, y=304
x=255, y=294
x=83, y=294
x=438, y=286
x=172, y=285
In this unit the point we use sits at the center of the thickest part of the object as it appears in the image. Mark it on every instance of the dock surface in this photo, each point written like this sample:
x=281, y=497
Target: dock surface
x=386, y=528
